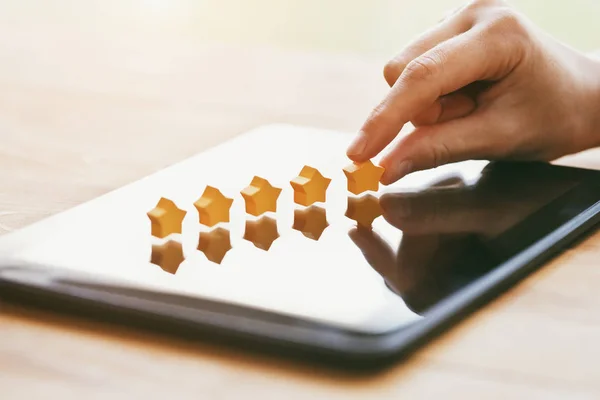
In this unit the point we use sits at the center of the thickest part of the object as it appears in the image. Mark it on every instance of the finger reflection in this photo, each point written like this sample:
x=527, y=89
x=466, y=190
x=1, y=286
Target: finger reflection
x=364, y=210
x=167, y=256
x=424, y=269
x=262, y=232
x=378, y=253
x=311, y=221
x=499, y=200
x=215, y=244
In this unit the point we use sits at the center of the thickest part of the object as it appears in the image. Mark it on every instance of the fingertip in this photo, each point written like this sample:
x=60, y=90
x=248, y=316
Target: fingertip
x=361, y=238
x=357, y=158
x=383, y=124
x=357, y=148
x=353, y=233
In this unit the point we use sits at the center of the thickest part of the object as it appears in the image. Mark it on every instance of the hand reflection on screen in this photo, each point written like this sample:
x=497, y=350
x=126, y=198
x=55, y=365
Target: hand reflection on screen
x=448, y=227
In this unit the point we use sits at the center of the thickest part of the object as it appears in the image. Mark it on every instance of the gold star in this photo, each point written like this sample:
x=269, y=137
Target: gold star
x=215, y=244
x=165, y=218
x=364, y=210
x=260, y=196
x=362, y=177
x=262, y=233
x=213, y=207
x=168, y=256
x=311, y=222
x=310, y=186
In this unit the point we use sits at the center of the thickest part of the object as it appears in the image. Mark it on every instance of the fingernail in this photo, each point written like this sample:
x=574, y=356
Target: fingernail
x=358, y=145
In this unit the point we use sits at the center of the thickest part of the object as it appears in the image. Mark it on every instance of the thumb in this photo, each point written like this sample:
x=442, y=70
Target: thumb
x=474, y=137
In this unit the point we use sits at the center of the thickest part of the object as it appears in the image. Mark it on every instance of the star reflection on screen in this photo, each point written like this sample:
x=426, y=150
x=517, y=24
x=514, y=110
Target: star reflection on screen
x=364, y=210
x=215, y=244
x=262, y=232
x=168, y=256
x=311, y=221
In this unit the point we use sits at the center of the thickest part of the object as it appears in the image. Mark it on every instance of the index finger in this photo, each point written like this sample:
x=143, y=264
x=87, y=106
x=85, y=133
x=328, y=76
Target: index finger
x=450, y=66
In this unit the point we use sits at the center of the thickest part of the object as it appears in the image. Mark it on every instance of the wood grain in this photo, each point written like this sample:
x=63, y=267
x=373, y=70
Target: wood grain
x=83, y=112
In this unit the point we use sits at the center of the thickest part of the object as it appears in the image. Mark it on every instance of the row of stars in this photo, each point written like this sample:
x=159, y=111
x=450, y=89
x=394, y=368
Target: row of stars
x=310, y=221
x=310, y=187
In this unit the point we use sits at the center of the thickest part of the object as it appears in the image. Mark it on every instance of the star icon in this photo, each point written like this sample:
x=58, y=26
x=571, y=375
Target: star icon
x=362, y=177
x=215, y=244
x=165, y=218
x=260, y=196
x=213, y=207
x=168, y=256
x=310, y=186
x=364, y=210
x=262, y=233
x=311, y=222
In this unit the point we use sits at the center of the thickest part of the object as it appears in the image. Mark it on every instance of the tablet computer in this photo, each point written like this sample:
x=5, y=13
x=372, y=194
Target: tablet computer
x=357, y=279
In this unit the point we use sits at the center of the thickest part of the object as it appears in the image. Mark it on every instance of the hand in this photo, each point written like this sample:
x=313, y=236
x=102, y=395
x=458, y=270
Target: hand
x=483, y=84
x=424, y=270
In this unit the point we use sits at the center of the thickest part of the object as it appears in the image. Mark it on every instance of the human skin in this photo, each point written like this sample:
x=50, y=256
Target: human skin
x=484, y=83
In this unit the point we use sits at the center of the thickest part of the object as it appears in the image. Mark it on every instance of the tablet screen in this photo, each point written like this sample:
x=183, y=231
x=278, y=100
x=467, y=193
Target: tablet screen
x=369, y=263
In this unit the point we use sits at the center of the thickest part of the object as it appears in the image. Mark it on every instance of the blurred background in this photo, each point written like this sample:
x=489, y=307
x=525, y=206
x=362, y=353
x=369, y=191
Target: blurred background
x=375, y=27
x=97, y=93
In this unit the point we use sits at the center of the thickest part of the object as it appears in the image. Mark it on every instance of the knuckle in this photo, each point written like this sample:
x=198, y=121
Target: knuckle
x=417, y=69
x=436, y=151
x=395, y=67
x=441, y=154
x=506, y=20
x=508, y=31
x=424, y=67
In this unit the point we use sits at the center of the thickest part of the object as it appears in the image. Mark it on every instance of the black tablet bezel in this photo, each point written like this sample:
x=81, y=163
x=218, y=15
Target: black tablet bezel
x=193, y=317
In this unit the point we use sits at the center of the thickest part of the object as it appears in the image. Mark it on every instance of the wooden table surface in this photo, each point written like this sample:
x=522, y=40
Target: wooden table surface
x=83, y=112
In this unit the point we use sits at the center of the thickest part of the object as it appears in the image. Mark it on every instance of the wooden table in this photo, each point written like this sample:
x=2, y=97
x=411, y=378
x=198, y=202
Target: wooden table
x=83, y=112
